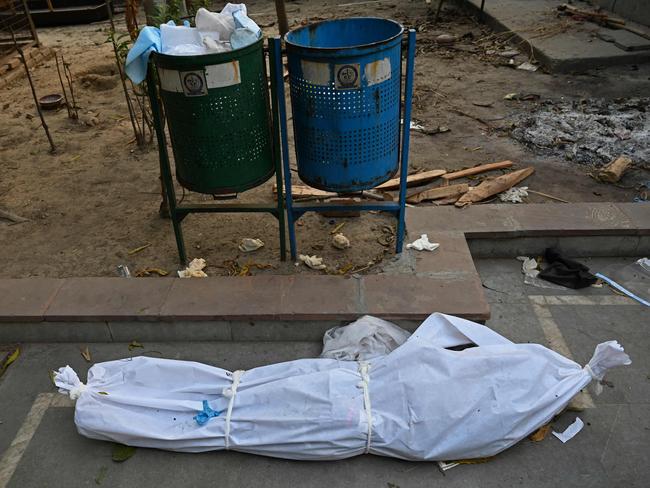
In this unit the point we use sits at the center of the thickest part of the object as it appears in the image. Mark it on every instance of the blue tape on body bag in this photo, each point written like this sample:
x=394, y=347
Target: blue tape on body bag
x=207, y=413
x=623, y=289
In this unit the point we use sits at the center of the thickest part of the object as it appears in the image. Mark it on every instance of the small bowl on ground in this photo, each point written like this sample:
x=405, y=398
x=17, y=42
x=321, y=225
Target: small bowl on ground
x=51, y=102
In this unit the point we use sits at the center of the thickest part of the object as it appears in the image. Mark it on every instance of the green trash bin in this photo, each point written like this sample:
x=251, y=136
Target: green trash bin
x=218, y=117
x=224, y=130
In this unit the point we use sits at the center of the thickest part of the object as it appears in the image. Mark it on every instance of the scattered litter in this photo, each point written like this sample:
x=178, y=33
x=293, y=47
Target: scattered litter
x=423, y=244
x=508, y=54
x=415, y=126
x=138, y=249
x=526, y=66
x=249, y=245
x=632, y=280
x=121, y=453
x=566, y=272
x=514, y=195
x=135, y=345
x=540, y=434
x=446, y=39
x=337, y=228
x=149, y=271
x=511, y=96
x=9, y=360
x=339, y=241
x=313, y=262
x=85, y=353
x=571, y=431
x=530, y=270
x=194, y=270
x=123, y=271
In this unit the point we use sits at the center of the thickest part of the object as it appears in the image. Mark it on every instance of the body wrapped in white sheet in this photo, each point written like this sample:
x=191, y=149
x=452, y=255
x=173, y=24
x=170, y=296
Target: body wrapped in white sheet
x=421, y=401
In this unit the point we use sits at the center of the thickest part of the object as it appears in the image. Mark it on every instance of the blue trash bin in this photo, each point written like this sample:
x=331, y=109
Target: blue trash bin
x=345, y=78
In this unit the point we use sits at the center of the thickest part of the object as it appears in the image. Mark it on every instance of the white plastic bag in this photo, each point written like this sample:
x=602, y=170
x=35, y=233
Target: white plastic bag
x=420, y=402
x=366, y=338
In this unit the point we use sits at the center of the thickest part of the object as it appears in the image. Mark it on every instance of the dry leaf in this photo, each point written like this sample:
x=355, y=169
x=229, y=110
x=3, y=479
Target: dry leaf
x=86, y=354
x=540, y=434
x=135, y=344
x=138, y=249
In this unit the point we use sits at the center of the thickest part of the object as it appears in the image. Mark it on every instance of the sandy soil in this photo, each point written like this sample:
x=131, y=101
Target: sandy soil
x=97, y=198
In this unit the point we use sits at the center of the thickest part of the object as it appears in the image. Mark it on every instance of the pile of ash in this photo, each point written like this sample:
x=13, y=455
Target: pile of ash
x=589, y=132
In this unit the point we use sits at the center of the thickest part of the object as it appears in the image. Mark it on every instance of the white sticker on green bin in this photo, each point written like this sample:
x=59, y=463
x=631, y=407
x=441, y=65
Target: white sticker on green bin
x=196, y=82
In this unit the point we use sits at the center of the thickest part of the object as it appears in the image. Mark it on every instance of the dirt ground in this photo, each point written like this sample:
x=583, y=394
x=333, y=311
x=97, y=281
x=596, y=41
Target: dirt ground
x=97, y=198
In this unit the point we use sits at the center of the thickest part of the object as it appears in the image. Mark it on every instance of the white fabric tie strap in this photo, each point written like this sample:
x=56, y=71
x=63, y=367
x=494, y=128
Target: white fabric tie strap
x=364, y=367
x=607, y=355
x=231, y=392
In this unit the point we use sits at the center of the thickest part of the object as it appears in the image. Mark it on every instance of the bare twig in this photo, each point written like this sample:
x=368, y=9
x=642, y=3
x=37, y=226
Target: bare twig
x=16, y=219
x=68, y=77
x=65, y=95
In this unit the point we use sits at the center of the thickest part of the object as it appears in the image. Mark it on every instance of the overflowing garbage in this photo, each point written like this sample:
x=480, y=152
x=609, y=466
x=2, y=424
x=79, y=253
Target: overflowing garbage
x=452, y=390
x=213, y=33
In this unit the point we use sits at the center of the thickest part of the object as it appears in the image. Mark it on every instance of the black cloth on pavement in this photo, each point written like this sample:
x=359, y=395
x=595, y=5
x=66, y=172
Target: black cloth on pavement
x=565, y=272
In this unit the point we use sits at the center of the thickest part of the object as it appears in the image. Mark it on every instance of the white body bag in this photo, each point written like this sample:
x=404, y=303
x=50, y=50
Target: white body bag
x=421, y=401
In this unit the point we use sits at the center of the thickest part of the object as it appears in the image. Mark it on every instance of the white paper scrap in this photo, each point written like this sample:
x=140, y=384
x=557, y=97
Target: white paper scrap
x=570, y=432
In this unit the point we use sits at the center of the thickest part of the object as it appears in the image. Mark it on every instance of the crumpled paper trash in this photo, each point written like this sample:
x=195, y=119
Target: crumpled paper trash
x=514, y=195
x=194, y=270
x=339, y=241
x=313, y=262
x=249, y=245
x=423, y=244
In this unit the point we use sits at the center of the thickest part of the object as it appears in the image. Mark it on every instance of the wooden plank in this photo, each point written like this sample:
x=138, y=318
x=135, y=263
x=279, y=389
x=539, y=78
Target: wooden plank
x=477, y=169
x=412, y=180
x=448, y=191
x=614, y=170
x=494, y=186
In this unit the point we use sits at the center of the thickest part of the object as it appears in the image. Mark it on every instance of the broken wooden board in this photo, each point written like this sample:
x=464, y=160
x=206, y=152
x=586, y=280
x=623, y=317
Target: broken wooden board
x=298, y=192
x=614, y=170
x=448, y=191
x=412, y=180
x=477, y=169
x=494, y=186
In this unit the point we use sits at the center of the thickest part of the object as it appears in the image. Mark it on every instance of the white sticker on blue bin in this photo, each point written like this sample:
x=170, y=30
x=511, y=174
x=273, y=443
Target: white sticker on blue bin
x=377, y=71
x=315, y=73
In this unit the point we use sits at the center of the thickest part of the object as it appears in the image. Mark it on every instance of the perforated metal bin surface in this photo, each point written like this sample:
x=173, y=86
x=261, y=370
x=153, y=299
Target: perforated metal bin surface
x=344, y=77
x=217, y=112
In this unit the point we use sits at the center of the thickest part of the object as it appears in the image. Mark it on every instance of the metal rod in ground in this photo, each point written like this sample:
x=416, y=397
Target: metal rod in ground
x=31, y=85
x=281, y=12
x=65, y=95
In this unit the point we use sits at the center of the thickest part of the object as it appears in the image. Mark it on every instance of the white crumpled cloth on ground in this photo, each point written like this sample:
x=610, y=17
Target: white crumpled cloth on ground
x=421, y=401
